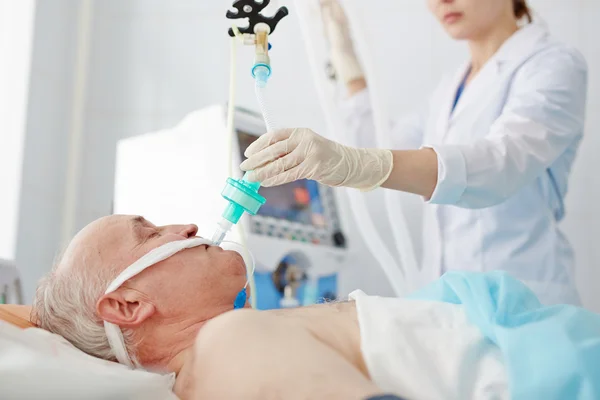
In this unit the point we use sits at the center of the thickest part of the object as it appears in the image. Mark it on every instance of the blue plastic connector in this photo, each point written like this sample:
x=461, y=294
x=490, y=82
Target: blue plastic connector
x=240, y=299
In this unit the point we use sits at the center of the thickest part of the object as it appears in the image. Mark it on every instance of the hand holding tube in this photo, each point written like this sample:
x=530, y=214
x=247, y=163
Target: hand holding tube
x=291, y=154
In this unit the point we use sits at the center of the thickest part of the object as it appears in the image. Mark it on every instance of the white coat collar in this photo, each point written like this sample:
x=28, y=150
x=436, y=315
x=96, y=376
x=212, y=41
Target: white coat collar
x=521, y=44
x=518, y=47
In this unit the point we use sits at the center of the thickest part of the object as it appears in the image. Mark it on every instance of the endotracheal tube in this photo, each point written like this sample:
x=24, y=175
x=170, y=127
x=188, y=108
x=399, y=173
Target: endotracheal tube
x=241, y=194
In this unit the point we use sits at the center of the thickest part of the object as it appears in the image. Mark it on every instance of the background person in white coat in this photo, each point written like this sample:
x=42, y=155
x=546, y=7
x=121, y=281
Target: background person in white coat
x=491, y=155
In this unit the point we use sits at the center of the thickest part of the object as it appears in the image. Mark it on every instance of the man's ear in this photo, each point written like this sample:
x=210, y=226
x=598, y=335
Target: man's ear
x=124, y=308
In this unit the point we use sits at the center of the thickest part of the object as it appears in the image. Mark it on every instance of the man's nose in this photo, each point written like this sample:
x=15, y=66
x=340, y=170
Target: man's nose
x=189, y=230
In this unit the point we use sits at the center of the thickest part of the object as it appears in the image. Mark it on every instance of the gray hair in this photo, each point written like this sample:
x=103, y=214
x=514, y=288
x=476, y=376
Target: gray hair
x=65, y=304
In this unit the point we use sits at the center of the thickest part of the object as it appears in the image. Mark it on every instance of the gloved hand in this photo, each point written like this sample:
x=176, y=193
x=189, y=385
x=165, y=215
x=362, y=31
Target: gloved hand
x=343, y=56
x=291, y=154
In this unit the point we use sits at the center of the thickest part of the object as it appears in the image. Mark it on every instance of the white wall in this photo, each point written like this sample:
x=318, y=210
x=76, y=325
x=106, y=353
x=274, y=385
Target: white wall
x=46, y=142
x=16, y=22
x=153, y=61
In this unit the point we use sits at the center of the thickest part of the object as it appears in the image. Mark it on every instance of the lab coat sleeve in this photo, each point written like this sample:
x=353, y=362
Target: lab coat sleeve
x=357, y=116
x=544, y=114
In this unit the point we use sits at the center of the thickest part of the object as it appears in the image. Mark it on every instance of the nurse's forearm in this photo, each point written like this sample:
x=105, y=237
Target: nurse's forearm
x=414, y=171
x=356, y=86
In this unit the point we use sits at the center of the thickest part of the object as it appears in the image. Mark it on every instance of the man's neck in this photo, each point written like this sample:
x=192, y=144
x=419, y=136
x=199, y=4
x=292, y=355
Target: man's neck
x=176, y=343
x=177, y=336
x=180, y=360
x=183, y=363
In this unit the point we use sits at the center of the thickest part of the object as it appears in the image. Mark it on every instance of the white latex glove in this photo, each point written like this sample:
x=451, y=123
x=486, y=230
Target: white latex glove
x=291, y=154
x=343, y=57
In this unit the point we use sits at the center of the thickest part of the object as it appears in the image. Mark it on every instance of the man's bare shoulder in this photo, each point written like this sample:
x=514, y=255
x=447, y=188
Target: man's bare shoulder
x=329, y=308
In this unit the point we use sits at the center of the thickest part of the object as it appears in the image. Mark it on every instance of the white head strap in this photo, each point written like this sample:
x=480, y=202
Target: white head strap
x=113, y=332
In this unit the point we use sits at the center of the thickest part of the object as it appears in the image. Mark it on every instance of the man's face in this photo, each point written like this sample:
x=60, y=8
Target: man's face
x=200, y=282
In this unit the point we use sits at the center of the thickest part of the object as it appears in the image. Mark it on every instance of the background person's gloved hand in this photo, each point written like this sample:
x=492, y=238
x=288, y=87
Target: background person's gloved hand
x=291, y=154
x=343, y=56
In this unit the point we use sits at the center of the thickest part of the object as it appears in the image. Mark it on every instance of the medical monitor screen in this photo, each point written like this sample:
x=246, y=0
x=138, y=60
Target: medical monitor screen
x=296, y=202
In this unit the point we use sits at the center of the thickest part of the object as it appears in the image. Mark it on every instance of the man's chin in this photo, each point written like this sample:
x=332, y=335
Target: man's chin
x=236, y=264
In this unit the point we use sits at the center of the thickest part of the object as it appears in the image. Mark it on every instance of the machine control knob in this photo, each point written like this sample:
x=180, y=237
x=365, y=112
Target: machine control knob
x=339, y=239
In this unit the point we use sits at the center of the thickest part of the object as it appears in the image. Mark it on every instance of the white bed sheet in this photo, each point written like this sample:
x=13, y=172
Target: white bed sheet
x=35, y=364
x=424, y=350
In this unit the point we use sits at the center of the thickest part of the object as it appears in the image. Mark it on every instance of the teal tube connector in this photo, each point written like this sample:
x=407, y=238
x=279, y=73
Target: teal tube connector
x=242, y=195
x=261, y=73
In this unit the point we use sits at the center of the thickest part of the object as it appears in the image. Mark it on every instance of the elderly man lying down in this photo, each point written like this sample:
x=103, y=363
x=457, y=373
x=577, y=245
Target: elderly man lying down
x=467, y=336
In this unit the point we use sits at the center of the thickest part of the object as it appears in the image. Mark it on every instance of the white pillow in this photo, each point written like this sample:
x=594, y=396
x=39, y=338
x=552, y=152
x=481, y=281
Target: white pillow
x=36, y=364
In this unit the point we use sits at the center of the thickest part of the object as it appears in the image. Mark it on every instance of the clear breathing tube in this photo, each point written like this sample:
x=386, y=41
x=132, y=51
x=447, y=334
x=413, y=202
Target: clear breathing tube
x=261, y=94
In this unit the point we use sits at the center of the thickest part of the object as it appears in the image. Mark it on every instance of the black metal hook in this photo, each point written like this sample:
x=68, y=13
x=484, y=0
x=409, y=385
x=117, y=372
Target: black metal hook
x=251, y=9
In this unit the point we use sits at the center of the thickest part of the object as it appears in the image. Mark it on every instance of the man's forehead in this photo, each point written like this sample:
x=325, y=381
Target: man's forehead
x=102, y=235
x=111, y=224
x=118, y=231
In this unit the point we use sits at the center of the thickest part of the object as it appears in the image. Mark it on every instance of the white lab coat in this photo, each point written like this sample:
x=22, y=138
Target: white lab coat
x=504, y=158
